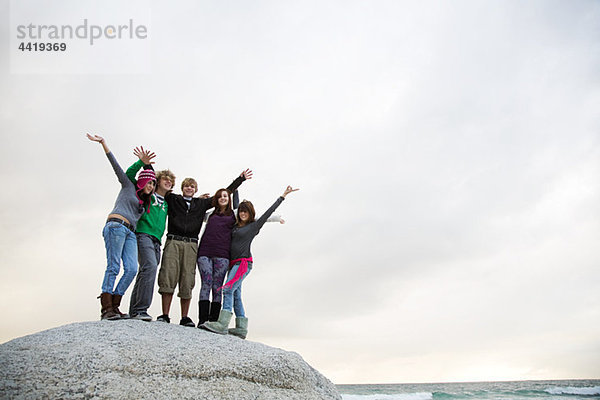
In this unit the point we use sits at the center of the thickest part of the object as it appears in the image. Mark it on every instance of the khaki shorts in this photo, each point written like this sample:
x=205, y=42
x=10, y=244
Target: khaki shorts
x=178, y=267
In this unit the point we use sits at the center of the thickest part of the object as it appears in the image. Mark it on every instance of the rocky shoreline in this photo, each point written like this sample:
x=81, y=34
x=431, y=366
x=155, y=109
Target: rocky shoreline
x=140, y=360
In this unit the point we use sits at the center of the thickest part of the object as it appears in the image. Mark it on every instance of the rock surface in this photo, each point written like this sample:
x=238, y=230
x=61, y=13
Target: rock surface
x=140, y=360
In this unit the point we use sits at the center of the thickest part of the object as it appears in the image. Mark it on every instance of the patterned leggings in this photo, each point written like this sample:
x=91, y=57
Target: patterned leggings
x=212, y=271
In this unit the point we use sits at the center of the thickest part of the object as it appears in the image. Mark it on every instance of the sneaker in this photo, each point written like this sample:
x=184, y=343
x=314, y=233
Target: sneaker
x=143, y=316
x=187, y=321
x=164, y=318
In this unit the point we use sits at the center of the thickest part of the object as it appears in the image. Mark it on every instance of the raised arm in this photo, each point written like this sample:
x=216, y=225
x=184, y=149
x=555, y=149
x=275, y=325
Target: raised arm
x=289, y=190
x=263, y=218
x=245, y=175
x=145, y=160
x=236, y=199
x=111, y=158
x=99, y=139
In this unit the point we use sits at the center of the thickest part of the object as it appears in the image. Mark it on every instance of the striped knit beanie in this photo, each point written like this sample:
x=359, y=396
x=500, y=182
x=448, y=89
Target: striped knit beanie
x=144, y=177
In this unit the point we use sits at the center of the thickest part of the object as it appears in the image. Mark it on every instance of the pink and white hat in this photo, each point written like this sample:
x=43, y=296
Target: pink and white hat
x=144, y=177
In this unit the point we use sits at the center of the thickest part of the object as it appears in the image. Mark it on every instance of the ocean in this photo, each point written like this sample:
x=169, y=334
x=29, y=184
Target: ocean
x=520, y=390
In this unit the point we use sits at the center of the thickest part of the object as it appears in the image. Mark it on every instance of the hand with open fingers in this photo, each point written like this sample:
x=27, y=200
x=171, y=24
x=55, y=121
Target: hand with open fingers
x=145, y=155
x=247, y=174
x=288, y=190
x=205, y=195
x=95, y=138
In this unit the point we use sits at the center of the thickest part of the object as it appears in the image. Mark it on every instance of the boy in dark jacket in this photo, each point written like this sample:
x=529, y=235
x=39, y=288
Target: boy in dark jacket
x=178, y=266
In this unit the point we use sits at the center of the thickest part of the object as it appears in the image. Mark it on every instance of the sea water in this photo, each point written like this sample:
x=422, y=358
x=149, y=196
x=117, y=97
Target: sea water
x=520, y=390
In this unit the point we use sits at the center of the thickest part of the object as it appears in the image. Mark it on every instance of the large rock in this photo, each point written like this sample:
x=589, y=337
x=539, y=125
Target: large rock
x=141, y=360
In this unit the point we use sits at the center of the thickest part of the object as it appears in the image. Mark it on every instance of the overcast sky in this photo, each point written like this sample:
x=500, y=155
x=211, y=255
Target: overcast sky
x=448, y=155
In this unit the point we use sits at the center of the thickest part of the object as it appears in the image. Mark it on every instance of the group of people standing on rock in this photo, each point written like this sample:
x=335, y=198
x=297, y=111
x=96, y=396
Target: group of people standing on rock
x=134, y=230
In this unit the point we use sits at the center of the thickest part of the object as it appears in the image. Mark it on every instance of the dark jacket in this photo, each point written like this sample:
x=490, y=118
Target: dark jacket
x=187, y=223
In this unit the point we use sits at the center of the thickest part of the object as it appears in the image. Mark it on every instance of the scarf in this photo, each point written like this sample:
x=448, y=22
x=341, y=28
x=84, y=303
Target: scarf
x=242, y=269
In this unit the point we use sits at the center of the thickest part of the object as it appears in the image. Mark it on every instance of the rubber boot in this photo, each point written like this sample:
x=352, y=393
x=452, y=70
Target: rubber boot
x=107, y=311
x=221, y=325
x=215, y=309
x=203, y=311
x=241, y=328
x=116, y=302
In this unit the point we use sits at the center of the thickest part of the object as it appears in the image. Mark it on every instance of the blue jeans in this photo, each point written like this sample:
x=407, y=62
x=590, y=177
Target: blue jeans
x=149, y=256
x=232, y=295
x=120, y=244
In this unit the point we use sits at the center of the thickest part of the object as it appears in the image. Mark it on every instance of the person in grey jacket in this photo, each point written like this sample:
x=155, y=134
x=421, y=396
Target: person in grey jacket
x=119, y=233
x=242, y=236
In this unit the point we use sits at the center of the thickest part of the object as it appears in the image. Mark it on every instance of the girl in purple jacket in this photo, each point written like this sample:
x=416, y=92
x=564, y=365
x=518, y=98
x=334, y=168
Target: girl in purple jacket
x=213, y=255
x=214, y=252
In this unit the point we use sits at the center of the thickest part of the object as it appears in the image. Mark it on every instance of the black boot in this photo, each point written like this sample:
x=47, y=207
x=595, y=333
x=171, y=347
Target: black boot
x=215, y=309
x=203, y=311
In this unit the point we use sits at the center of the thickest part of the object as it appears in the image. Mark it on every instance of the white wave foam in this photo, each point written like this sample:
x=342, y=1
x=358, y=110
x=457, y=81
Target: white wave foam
x=582, y=391
x=399, y=396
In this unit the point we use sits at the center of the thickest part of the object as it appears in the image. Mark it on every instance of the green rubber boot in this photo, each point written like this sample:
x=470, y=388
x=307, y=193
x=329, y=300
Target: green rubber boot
x=221, y=325
x=241, y=328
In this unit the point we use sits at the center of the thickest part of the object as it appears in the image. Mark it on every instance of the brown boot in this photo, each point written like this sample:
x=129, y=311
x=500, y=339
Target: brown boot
x=116, y=302
x=107, y=307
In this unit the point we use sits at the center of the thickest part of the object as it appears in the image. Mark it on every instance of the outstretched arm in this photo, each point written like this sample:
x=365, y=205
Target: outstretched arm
x=276, y=218
x=236, y=199
x=289, y=190
x=145, y=160
x=263, y=218
x=245, y=175
x=145, y=156
x=99, y=139
x=111, y=158
x=272, y=218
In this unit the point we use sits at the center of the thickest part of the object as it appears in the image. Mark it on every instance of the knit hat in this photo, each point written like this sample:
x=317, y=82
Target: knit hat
x=144, y=177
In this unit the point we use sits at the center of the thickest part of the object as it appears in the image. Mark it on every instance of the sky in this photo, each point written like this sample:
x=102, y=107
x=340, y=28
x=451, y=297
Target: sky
x=447, y=155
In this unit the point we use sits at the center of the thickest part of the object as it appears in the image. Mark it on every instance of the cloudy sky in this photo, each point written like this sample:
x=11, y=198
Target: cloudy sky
x=448, y=155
